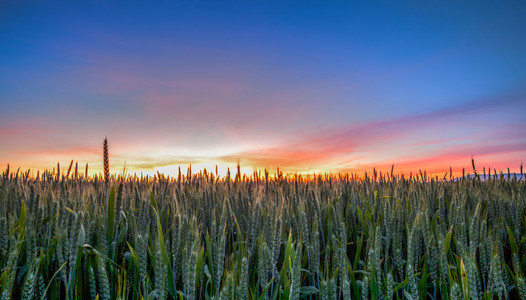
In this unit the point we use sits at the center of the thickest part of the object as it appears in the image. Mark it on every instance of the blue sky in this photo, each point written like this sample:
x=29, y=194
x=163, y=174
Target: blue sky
x=309, y=86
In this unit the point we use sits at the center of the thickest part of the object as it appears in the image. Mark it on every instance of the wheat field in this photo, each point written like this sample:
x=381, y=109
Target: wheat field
x=198, y=236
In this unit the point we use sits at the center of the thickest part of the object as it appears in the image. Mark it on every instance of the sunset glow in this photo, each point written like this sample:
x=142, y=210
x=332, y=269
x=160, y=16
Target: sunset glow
x=309, y=88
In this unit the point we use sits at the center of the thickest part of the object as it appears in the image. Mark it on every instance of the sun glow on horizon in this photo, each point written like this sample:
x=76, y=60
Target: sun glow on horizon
x=221, y=169
x=218, y=169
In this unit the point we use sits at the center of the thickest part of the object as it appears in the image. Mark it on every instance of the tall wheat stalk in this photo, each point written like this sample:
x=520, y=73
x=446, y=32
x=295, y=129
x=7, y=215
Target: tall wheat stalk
x=106, y=161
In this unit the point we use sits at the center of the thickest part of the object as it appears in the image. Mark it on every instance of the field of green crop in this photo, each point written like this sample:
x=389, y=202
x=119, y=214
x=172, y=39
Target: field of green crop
x=203, y=237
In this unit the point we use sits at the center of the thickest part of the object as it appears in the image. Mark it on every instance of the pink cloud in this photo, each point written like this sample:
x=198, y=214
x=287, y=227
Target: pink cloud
x=438, y=162
x=373, y=141
x=64, y=152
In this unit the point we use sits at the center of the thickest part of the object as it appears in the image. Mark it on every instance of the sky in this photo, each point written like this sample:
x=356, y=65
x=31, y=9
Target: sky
x=307, y=86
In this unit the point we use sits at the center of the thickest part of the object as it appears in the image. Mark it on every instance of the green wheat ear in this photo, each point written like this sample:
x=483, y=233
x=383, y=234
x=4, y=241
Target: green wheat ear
x=106, y=161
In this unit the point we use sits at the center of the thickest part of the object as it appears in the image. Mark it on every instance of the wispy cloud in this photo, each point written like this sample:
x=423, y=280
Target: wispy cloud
x=377, y=140
x=434, y=140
